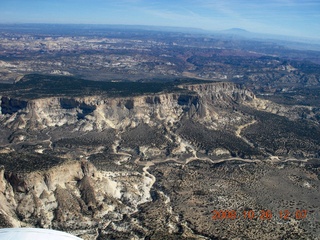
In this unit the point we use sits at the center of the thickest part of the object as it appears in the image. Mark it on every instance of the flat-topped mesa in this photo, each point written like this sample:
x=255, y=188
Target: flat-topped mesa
x=99, y=112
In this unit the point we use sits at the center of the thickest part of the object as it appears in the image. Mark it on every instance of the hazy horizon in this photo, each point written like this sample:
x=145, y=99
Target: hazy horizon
x=280, y=17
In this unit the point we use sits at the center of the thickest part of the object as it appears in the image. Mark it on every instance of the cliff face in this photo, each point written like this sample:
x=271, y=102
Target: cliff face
x=98, y=113
x=72, y=196
x=222, y=92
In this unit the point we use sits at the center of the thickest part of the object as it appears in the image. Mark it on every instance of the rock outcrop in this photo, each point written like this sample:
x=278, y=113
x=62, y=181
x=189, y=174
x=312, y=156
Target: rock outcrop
x=72, y=196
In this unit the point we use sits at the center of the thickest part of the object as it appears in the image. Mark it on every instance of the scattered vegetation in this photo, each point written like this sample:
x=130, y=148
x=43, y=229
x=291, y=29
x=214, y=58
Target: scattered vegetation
x=26, y=162
x=207, y=140
x=280, y=136
x=143, y=135
x=35, y=86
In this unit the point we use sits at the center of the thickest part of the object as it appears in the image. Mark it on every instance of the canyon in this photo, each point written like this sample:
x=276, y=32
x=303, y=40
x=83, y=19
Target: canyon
x=156, y=165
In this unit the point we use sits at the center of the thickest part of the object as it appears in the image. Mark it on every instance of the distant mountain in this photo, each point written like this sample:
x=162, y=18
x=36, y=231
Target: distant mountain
x=235, y=30
x=299, y=43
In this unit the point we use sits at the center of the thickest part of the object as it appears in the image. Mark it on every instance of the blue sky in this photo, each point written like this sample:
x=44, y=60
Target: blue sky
x=284, y=17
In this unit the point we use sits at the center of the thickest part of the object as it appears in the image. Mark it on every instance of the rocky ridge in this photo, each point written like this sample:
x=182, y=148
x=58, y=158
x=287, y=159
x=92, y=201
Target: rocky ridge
x=99, y=113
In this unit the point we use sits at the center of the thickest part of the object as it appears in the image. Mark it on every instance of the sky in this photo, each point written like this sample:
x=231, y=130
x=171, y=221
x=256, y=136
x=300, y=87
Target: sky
x=299, y=18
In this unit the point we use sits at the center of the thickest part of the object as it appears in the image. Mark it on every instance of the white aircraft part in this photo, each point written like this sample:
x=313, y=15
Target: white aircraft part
x=34, y=234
